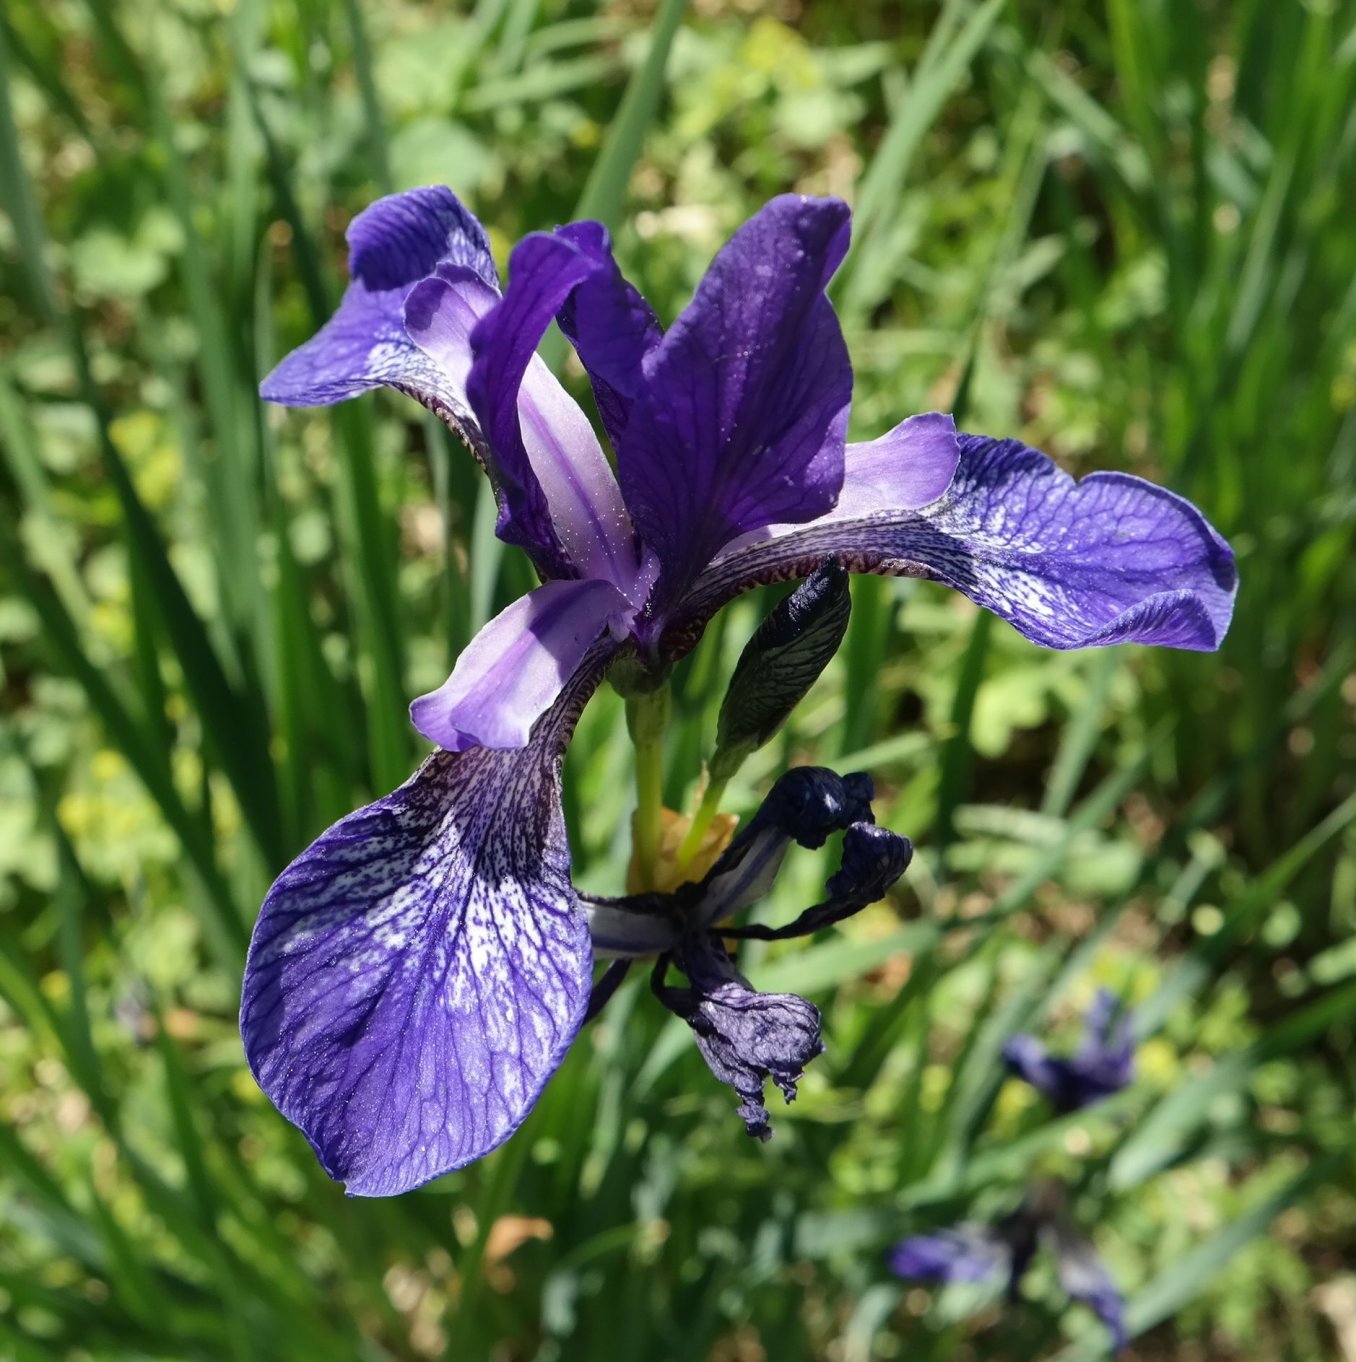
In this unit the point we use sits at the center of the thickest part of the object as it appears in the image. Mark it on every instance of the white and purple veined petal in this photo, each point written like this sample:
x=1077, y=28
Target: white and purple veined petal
x=1110, y=559
x=417, y=974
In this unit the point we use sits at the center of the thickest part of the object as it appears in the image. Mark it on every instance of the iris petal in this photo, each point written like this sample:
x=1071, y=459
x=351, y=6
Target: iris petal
x=1110, y=559
x=418, y=973
x=516, y=666
x=539, y=435
x=965, y=1253
x=742, y=418
x=610, y=325
x=393, y=244
x=1085, y=1277
x=536, y=474
x=1027, y=1058
x=907, y=467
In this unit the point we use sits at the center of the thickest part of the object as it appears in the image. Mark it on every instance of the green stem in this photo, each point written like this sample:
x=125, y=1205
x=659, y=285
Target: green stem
x=701, y=820
x=647, y=714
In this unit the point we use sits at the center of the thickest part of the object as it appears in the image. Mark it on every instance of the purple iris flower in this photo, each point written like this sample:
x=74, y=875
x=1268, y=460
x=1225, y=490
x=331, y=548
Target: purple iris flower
x=1103, y=1064
x=418, y=973
x=974, y=1253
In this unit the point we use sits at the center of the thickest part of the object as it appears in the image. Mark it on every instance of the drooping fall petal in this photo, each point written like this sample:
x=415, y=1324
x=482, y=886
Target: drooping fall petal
x=418, y=973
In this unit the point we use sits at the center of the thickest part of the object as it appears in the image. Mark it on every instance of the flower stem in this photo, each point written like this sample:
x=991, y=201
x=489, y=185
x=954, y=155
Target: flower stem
x=647, y=714
x=701, y=821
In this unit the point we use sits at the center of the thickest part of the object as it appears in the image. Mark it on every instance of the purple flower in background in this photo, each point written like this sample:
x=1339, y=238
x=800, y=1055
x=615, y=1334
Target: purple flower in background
x=418, y=973
x=1103, y=1064
x=748, y=1037
x=974, y=1253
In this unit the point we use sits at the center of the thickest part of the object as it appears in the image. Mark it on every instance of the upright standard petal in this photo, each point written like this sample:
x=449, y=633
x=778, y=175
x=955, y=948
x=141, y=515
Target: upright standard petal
x=417, y=974
x=742, y=418
x=393, y=244
x=1111, y=559
x=512, y=671
x=610, y=325
x=540, y=437
x=441, y=312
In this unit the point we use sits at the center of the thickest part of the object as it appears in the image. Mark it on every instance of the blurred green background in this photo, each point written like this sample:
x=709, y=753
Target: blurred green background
x=1123, y=230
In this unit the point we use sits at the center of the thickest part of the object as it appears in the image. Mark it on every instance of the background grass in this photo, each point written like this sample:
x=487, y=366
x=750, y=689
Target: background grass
x=1121, y=230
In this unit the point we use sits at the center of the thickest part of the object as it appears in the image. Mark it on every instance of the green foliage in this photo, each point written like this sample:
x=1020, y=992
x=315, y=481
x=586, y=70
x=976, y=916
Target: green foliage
x=1122, y=231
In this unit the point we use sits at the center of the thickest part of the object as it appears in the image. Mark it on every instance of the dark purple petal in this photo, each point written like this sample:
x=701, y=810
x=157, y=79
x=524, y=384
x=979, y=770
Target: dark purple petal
x=806, y=805
x=1084, y=1276
x=1106, y=1056
x=403, y=237
x=543, y=444
x=741, y=423
x=515, y=667
x=744, y=1036
x=1111, y=559
x=967, y=1253
x=873, y=859
x=392, y=245
x=610, y=325
x=1108, y=1028
x=418, y=973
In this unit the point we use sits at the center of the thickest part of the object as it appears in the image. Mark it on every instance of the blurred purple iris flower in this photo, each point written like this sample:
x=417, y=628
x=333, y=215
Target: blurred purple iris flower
x=418, y=973
x=974, y=1253
x=1103, y=1064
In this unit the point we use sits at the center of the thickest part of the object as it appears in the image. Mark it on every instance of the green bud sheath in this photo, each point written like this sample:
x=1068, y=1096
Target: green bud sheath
x=780, y=663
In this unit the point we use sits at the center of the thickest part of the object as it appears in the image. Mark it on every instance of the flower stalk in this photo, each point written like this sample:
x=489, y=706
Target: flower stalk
x=647, y=716
x=707, y=809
